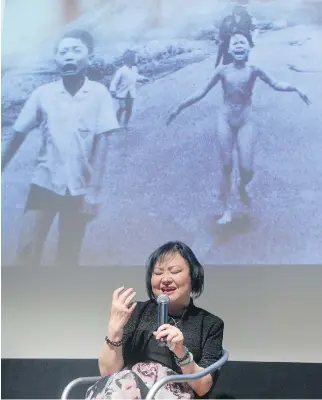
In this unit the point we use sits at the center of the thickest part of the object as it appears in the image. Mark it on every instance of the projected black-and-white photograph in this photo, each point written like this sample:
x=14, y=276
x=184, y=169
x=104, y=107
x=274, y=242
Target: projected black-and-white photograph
x=129, y=124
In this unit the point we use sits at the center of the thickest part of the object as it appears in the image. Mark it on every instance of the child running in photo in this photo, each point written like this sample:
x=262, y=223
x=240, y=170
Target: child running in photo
x=123, y=86
x=75, y=117
x=234, y=122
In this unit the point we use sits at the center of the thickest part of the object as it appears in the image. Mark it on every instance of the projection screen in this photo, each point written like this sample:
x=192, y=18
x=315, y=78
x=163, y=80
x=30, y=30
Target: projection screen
x=126, y=124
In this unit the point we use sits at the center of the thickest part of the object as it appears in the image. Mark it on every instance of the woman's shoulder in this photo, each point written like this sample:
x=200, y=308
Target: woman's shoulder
x=208, y=317
x=142, y=306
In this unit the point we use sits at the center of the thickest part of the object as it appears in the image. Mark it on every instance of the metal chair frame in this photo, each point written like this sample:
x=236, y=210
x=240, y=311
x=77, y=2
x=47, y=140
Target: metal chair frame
x=157, y=386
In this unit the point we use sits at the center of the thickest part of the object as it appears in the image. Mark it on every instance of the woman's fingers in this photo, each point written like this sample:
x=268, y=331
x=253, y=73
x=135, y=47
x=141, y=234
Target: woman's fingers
x=132, y=307
x=125, y=294
x=122, y=307
x=117, y=292
x=123, y=298
x=163, y=333
x=129, y=299
x=163, y=327
x=169, y=333
x=158, y=335
x=171, y=336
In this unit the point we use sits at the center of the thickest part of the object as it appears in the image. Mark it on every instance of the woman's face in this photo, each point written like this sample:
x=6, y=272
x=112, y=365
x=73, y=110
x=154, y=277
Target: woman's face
x=171, y=276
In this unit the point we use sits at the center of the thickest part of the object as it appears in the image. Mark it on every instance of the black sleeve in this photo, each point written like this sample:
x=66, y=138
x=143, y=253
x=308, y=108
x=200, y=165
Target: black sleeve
x=129, y=331
x=212, y=349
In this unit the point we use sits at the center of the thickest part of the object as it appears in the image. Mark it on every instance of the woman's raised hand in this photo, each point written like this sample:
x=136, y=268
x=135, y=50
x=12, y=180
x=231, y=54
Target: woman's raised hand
x=121, y=310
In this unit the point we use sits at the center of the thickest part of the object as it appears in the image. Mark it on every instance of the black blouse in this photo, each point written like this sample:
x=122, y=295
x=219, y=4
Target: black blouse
x=202, y=332
x=161, y=355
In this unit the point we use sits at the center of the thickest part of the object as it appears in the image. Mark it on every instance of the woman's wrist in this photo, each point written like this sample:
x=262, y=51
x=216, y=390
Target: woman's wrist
x=114, y=343
x=188, y=360
x=184, y=360
x=115, y=334
x=180, y=351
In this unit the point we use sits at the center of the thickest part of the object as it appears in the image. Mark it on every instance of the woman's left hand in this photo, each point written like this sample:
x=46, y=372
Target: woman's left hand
x=173, y=336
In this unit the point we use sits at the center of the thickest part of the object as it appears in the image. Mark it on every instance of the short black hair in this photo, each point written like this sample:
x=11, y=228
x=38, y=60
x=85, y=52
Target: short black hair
x=84, y=36
x=196, y=269
x=246, y=36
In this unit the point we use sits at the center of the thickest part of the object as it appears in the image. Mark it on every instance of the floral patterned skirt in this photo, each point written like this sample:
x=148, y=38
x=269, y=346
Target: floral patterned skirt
x=136, y=382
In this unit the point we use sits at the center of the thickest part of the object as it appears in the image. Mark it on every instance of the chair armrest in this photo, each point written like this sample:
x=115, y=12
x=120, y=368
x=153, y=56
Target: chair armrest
x=76, y=382
x=152, y=392
x=187, y=377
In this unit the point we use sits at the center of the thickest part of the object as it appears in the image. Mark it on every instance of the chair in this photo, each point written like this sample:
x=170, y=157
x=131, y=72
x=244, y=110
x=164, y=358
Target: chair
x=152, y=392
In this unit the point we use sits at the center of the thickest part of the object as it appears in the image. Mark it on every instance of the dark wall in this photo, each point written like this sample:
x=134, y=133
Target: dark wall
x=26, y=379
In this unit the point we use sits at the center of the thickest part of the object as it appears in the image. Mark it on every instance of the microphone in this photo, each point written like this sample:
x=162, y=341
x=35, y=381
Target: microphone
x=163, y=312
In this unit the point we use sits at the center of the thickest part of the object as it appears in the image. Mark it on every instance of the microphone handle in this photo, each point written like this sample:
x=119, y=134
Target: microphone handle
x=163, y=315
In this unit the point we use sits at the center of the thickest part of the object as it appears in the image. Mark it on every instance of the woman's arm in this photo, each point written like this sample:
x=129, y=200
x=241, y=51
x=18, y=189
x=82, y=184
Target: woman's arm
x=200, y=386
x=111, y=359
x=211, y=352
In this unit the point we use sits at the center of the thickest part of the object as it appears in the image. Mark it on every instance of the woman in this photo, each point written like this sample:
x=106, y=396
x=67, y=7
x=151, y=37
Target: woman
x=133, y=360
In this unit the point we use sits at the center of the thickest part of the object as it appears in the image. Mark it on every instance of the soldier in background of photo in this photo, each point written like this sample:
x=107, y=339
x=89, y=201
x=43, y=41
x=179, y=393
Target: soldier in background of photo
x=239, y=21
